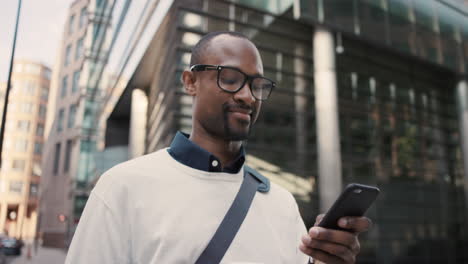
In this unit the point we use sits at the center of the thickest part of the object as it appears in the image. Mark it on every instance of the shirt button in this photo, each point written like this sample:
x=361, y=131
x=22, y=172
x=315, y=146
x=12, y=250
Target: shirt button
x=214, y=163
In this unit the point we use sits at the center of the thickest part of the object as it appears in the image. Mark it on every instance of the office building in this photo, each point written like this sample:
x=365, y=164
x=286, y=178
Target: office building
x=72, y=134
x=20, y=173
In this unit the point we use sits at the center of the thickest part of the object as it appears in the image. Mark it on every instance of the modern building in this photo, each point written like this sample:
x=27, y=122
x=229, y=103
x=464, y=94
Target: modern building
x=72, y=135
x=20, y=173
x=367, y=91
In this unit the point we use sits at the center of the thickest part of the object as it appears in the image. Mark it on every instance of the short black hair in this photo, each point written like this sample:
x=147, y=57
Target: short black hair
x=199, y=49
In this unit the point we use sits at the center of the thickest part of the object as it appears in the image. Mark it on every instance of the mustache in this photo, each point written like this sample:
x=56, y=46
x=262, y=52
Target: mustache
x=230, y=107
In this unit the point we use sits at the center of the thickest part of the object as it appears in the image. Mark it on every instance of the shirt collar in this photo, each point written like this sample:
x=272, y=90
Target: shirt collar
x=190, y=154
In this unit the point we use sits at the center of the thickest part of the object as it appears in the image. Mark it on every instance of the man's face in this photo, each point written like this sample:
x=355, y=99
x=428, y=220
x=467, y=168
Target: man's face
x=229, y=116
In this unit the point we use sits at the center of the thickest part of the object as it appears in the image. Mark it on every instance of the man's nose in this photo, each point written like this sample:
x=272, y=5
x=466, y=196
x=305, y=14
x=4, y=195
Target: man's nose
x=245, y=94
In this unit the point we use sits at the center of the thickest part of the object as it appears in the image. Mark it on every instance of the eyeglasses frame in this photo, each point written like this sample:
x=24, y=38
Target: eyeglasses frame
x=248, y=78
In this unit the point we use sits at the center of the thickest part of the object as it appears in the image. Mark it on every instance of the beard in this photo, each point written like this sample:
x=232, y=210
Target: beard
x=241, y=131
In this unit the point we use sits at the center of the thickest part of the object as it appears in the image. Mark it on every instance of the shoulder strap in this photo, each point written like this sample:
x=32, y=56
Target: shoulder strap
x=231, y=223
x=264, y=186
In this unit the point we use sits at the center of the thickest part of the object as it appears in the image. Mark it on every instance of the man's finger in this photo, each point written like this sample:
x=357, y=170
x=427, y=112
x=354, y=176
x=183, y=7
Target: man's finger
x=335, y=236
x=320, y=255
x=343, y=252
x=356, y=224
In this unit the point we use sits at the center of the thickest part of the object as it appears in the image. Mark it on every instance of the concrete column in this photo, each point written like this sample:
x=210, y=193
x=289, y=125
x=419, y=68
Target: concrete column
x=20, y=220
x=462, y=103
x=3, y=215
x=300, y=103
x=326, y=107
x=138, y=123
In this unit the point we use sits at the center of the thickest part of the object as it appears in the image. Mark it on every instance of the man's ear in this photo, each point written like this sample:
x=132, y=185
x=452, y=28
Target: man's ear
x=189, y=79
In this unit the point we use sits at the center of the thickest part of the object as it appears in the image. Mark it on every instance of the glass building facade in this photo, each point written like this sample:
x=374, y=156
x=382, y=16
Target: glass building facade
x=397, y=68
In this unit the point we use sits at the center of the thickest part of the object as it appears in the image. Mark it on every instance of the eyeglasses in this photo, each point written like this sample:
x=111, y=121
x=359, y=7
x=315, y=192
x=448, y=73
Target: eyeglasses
x=231, y=80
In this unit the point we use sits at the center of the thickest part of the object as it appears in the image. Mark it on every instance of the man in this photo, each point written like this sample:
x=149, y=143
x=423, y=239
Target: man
x=165, y=207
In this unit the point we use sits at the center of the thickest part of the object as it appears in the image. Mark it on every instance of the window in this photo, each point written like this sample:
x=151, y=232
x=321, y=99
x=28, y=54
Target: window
x=70, y=24
x=29, y=87
x=40, y=130
x=46, y=74
x=44, y=93
x=56, y=158
x=71, y=116
x=67, y=55
x=33, y=190
x=23, y=125
x=61, y=115
x=82, y=17
x=16, y=187
x=26, y=108
x=21, y=145
x=79, y=49
x=18, y=165
x=68, y=150
x=63, y=92
x=38, y=148
x=42, y=111
x=76, y=81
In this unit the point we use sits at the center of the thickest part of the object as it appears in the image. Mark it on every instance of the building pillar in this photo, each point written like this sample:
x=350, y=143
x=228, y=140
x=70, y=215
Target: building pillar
x=300, y=103
x=3, y=216
x=138, y=123
x=326, y=108
x=462, y=103
x=20, y=220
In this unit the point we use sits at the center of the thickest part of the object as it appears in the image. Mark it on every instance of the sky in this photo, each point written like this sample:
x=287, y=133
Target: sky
x=39, y=31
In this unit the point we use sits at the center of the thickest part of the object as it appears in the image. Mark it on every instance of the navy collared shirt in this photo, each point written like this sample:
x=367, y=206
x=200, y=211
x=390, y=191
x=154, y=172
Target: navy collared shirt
x=189, y=153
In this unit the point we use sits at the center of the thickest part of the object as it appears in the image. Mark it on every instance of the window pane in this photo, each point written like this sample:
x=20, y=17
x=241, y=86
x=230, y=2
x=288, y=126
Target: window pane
x=38, y=148
x=449, y=35
x=63, y=92
x=401, y=33
x=40, y=130
x=60, y=120
x=16, y=186
x=42, y=111
x=21, y=145
x=82, y=17
x=67, y=55
x=18, y=165
x=79, y=49
x=56, y=158
x=340, y=14
x=33, y=189
x=76, y=80
x=68, y=152
x=71, y=24
x=23, y=125
x=372, y=20
x=71, y=116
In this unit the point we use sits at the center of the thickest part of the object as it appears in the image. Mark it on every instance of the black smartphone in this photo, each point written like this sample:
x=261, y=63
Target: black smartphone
x=353, y=201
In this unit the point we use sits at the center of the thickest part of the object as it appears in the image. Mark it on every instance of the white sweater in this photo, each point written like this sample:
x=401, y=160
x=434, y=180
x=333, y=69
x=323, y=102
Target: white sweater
x=154, y=209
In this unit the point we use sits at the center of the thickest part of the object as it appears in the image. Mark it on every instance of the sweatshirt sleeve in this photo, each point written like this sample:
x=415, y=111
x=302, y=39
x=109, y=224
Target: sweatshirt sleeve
x=100, y=237
x=299, y=231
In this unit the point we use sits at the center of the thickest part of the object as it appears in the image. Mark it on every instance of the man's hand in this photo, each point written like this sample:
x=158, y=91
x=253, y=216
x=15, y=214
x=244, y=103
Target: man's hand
x=334, y=246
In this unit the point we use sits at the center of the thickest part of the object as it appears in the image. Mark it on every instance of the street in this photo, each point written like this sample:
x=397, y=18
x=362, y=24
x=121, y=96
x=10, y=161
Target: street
x=42, y=256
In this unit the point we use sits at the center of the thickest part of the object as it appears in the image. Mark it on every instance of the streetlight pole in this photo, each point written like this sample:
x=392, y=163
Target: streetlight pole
x=7, y=93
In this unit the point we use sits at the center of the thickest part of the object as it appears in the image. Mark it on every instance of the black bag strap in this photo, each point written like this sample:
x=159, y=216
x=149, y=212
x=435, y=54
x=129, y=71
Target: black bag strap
x=231, y=223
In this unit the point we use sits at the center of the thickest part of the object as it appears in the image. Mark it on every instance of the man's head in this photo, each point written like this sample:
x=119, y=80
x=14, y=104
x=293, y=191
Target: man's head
x=219, y=110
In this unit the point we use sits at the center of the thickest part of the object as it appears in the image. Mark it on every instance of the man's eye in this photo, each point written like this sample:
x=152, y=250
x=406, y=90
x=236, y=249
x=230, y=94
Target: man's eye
x=229, y=80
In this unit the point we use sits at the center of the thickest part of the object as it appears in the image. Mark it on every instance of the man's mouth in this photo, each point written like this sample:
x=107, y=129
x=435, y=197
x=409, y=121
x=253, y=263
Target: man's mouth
x=240, y=112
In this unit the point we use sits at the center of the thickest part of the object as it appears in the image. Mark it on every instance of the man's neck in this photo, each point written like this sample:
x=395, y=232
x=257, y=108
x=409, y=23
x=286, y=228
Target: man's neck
x=226, y=151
